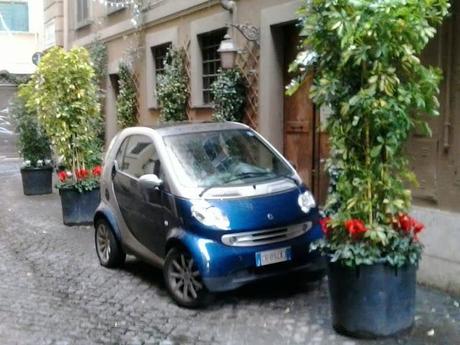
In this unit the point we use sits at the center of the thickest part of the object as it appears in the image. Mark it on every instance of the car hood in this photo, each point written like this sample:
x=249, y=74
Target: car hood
x=254, y=213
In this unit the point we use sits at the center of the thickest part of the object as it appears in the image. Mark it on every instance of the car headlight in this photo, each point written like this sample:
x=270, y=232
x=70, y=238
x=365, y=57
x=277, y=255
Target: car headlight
x=306, y=201
x=209, y=215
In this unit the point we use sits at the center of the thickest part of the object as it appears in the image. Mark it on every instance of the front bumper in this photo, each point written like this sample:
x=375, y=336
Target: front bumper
x=224, y=267
x=239, y=278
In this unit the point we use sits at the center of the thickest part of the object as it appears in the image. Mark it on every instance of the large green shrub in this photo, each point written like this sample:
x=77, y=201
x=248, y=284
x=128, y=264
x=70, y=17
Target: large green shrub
x=367, y=70
x=63, y=93
x=172, y=89
x=33, y=143
x=228, y=92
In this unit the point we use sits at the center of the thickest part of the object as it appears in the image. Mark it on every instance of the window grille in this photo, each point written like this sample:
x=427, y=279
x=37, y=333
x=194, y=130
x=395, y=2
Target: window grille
x=209, y=44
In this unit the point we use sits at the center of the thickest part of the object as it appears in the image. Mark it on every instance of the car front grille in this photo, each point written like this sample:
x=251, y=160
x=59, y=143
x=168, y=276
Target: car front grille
x=260, y=237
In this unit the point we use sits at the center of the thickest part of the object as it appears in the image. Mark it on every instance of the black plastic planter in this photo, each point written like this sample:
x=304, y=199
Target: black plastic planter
x=372, y=301
x=79, y=208
x=37, y=181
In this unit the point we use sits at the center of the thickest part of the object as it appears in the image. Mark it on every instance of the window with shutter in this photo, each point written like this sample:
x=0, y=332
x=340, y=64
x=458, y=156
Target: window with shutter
x=14, y=16
x=82, y=10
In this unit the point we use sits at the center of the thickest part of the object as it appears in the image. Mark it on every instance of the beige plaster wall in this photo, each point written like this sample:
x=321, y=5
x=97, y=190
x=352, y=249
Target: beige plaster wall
x=184, y=17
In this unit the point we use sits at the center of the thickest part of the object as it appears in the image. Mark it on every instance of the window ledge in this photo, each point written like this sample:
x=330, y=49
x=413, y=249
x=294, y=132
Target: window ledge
x=114, y=10
x=83, y=24
x=202, y=106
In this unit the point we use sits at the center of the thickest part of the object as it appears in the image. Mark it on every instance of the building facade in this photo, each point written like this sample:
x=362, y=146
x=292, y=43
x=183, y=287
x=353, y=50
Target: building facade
x=21, y=35
x=266, y=34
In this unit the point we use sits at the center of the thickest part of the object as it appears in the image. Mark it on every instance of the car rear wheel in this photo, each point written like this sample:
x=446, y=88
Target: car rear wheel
x=108, y=249
x=183, y=280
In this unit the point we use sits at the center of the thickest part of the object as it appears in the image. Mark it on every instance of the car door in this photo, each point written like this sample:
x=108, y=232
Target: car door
x=142, y=210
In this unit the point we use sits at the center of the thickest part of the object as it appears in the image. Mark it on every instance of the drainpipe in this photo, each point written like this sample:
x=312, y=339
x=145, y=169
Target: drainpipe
x=447, y=99
x=230, y=6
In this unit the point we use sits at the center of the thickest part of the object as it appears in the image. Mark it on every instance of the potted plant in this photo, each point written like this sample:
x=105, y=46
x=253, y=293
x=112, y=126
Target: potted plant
x=365, y=58
x=64, y=93
x=34, y=147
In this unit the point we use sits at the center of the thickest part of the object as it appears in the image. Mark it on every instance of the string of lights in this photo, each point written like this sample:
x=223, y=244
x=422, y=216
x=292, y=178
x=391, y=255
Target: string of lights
x=114, y=3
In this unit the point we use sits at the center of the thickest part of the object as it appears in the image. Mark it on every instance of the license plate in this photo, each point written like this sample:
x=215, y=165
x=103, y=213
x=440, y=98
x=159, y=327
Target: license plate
x=274, y=256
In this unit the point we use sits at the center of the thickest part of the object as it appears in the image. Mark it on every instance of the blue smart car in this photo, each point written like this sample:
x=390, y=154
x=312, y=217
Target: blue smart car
x=213, y=204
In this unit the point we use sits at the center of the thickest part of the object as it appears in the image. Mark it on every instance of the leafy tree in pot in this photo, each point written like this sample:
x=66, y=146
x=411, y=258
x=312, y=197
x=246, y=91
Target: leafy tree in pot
x=33, y=143
x=365, y=58
x=63, y=93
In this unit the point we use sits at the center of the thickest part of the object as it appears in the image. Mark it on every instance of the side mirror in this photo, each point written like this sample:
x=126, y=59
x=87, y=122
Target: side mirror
x=150, y=181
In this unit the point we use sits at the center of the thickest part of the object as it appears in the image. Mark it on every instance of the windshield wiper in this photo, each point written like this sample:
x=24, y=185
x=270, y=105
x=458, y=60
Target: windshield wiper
x=234, y=178
x=289, y=177
x=246, y=175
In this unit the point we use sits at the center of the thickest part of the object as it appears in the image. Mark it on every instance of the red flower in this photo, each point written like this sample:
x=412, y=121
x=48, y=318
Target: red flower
x=62, y=176
x=408, y=224
x=355, y=228
x=324, y=225
x=81, y=174
x=418, y=227
x=97, y=170
x=405, y=222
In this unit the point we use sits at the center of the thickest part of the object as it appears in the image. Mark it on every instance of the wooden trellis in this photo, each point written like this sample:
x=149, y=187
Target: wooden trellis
x=248, y=63
x=188, y=71
x=135, y=79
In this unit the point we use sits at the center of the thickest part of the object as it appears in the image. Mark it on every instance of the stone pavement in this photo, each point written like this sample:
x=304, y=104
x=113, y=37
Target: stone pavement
x=53, y=291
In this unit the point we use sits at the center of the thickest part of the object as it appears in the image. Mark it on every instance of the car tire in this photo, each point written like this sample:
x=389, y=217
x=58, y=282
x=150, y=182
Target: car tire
x=108, y=249
x=183, y=280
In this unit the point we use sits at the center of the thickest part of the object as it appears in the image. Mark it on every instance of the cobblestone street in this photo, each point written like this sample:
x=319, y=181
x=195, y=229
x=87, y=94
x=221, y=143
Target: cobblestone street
x=53, y=291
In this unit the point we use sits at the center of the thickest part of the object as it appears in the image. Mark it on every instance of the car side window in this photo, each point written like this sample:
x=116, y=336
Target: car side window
x=120, y=153
x=140, y=157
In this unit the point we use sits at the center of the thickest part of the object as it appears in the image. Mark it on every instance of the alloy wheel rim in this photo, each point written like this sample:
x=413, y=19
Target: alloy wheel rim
x=103, y=243
x=185, y=277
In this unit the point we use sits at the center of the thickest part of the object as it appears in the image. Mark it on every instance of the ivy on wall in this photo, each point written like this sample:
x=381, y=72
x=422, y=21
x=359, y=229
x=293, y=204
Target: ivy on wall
x=228, y=92
x=126, y=99
x=172, y=89
x=98, y=56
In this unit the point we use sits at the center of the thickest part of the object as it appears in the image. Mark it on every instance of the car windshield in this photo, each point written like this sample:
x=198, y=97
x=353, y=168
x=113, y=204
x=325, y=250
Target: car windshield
x=224, y=157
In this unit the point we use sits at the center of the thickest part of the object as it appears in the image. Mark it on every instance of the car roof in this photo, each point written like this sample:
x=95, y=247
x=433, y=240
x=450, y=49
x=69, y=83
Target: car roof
x=174, y=128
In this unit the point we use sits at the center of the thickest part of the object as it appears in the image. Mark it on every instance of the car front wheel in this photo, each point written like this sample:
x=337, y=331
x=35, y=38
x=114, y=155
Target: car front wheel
x=183, y=280
x=108, y=249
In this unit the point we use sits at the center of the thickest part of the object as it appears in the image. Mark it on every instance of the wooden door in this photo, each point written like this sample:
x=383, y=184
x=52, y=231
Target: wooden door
x=304, y=145
x=298, y=115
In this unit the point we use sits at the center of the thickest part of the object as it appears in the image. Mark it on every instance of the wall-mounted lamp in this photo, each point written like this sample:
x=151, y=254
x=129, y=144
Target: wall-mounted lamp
x=227, y=51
